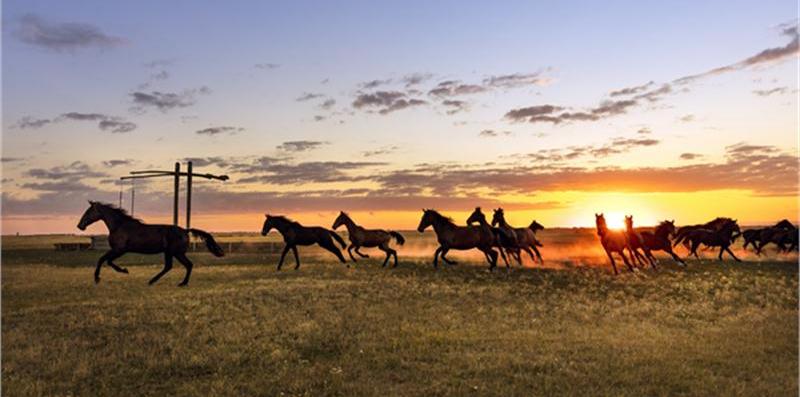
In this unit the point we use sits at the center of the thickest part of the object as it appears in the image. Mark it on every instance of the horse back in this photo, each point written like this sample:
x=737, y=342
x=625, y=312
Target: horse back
x=149, y=239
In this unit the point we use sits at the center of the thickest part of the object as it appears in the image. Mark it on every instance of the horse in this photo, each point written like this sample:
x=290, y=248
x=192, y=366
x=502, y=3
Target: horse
x=612, y=241
x=723, y=238
x=450, y=236
x=504, y=241
x=782, y=233
x=752, y=237
x=360, y=237
x=525, y=236
x=636, y=242
x=658, y=240
x=714, y=224
x=128, y=234
x=295, y=234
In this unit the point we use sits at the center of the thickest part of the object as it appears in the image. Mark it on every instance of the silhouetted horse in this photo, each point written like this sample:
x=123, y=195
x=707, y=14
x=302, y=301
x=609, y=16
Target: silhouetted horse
x=525, y=236
x=295, y=234
x=636, y=242
x=722, y=237
x=784, y=232
x=612, y=241
x=714, y=224
x=752, y=237
x=128, y=234
x=659, y=240
x=360, y=237
x=451, y=236
x=503, y=240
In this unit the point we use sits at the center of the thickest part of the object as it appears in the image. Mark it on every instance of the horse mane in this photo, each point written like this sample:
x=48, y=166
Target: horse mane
x=442, y=217
x=118, y=211
x=661, y=226
x=285, y=219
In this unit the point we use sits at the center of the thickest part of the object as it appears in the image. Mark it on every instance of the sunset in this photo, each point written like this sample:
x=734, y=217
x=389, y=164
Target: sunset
x=516, y=135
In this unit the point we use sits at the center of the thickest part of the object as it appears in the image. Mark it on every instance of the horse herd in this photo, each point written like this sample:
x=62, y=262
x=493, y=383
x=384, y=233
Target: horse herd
x=495, y=239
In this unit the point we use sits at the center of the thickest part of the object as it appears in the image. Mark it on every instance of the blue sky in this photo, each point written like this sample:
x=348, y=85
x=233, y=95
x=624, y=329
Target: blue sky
x=206, y=54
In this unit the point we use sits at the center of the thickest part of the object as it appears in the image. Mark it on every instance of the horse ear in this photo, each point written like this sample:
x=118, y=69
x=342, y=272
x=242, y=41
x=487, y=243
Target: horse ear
x=266, y=215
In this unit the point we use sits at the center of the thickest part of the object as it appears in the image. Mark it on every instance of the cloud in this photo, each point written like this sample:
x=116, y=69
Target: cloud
x=282, y=173
x=10, y=159
x=416, y=78
x=307, y=96
x=300, y=146
x=517, y=80
x=493, y=133
x=157, y=63
x=34, y=30
x=29, y=122
x=771, y=91
x=690, y=156
x=116, y=126
x=644, y=131
x=76, y=170
x=455, y=106
x=327, y=104
x=765, y=57
x=375, y=83
x=687, y=118
x=452, y=88
x=267, y=66
x=211, y=131
x=115, y=163
x=380, y=151
x=165, y=101
x=386, y=101
x=631, y=90
x=104, y=122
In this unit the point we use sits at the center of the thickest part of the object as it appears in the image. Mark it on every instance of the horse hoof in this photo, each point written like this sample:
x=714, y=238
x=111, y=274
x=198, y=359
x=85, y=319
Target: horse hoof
x=183, y=284
x=123, y=270
x=97, y=280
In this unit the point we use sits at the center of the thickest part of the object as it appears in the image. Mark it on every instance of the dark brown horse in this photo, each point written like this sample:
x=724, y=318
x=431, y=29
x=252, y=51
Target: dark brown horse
x=503, y=240
x=781, y=234
x=612, y=241
x=128, y=234
x=659, y=240
x=714, y=224
x=451, y=236
x=752, y=237
x=636, y=243
x=295, y=234
x=722, y=237
x=369, y=238
x=525, y=236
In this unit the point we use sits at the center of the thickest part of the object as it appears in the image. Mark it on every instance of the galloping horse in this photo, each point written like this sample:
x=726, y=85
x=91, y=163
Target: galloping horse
x=658, y=240
x=526, y=236
x=714, y=224
x=360, y=237
x=128, y=234
x=636, y=242
x=451, y=236
x=752, y=237
x=612, y=241
x=502, y=239
x=722, y=237
x=784, y=232
x=295, y=234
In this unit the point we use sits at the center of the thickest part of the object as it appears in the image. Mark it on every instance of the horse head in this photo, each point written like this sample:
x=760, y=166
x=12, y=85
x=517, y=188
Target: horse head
x=476, y=216
x=268, y=224
x=340, y=220
x=498, y=217
x=91, y=215
x=427, y=220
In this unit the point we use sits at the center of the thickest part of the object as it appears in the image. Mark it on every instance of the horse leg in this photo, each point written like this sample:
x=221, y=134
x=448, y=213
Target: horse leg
x=530, y=253
x=188, y=265
x=360, y=254
x=650, y=258
x=328, y=245
x=350, y=252
x=113, y=265
x=444, y=258
x=721, y=250
x=731, y=253
x=436, y=257
x=624, y=259
x=613, y=264
x=108, y=256
x=503, y=255
x=538, y=255
x=388, y=252
x=296, y=257
x=283, y=255
x=674, y=256
x=491, y=256
x=167, y=267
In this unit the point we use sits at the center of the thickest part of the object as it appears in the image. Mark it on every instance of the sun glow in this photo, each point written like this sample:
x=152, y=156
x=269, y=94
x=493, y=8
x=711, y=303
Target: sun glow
x=615, y=220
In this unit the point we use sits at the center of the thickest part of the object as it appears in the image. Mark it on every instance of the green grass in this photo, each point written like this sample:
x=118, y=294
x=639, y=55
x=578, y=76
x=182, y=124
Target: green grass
x=241, y=328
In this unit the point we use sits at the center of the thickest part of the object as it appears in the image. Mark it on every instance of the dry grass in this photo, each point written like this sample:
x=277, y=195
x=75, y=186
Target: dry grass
x=713, y=329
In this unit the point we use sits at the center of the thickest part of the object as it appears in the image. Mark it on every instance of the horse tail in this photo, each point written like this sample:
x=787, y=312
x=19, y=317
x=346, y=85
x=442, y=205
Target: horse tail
x=398, y=237
x=338, y=238
x=211, y=244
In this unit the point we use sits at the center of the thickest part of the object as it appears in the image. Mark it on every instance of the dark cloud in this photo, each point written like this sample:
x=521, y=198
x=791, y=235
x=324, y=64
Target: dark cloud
x=517, y=80
x=416, y=78
x=281, y=173
x=451, y=88
x=32, y=29
x=386, y=101
x=374, y=83
x=380, y=151
x=115, y=163
x=29, y=122
x=455, y=106
x=165, y=101
x=690, y=156
x=116, y=125
x=327, y=104
x=307, y=96
x=76, y=170
x=493, y=133
x=211, y=131
x=767, y=56
x=772, y=91
x=631, y=90
x=10, y=159
x=300, y=146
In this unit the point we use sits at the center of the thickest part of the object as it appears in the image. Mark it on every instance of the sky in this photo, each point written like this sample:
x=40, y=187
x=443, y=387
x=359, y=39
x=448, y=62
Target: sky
x=552, y=110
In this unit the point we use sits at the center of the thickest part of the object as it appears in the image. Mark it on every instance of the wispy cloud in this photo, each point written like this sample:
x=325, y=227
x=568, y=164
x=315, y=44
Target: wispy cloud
x=300, y=146
x=212, y=131
x=165, y=101
x=65, y=36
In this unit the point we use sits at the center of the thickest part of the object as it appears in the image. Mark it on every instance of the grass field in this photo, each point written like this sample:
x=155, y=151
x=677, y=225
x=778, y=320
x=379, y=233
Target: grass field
x=241, y=328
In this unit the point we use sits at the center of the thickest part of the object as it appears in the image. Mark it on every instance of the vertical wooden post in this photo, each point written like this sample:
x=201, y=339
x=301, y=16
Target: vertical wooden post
x=188, y=195
x=177, y=192
x=133, y=197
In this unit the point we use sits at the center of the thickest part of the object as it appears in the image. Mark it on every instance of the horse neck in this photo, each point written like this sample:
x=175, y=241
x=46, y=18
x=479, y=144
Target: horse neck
x=440, y=224
x=281, y=225
x=502, y=222
x=661, y=231
x=112, y=220
x=350, y=225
